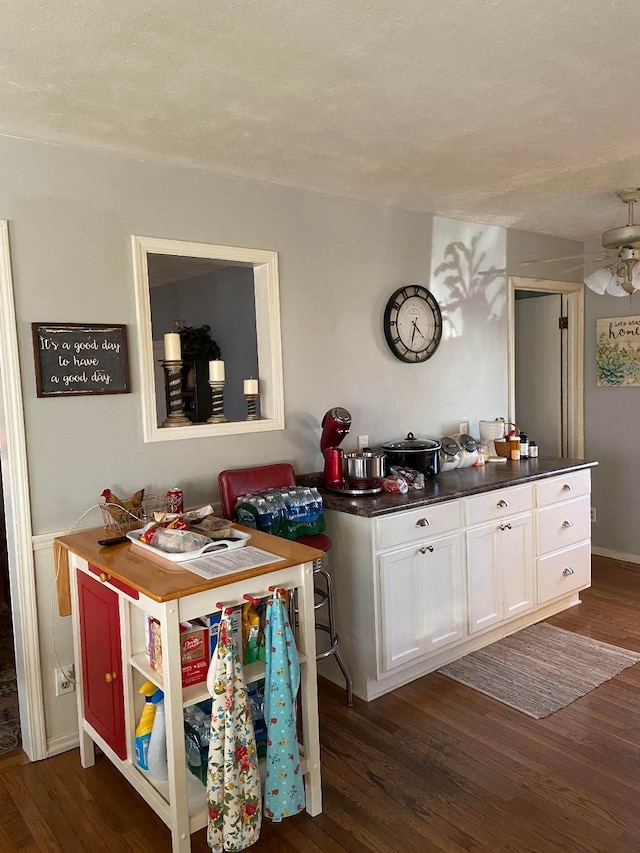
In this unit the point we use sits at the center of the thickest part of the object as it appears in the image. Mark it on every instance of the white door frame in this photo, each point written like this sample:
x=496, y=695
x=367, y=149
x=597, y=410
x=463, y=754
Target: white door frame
x=15, y=482
x=574, y=291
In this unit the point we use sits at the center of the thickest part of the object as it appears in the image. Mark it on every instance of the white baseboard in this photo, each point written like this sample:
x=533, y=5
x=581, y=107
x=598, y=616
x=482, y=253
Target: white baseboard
x=62, y=743
x=615, y=555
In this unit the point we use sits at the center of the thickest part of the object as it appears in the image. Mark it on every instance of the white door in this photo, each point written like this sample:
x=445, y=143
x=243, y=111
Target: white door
x=401, y=607
x=561, y=363
x=516, y=565
x=444, y=592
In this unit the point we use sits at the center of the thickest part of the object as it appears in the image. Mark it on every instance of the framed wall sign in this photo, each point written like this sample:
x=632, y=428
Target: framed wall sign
x=74, y=359
x=618, y=352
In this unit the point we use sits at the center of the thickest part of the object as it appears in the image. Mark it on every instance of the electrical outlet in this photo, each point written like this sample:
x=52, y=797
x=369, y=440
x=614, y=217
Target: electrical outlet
x=363, y=441
x=593, y=515
x=464, y=427
x=65, y=680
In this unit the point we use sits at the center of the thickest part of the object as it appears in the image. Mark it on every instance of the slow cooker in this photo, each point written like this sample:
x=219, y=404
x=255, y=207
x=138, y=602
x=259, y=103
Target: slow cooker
x=421, y=454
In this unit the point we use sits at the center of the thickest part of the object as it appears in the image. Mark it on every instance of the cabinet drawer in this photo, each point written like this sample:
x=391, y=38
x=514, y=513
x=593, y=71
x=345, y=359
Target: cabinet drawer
x=405, y=527
x=499, y=504
x=564, y=571
x=105, y=577
x=564, y=524
x=563, y=488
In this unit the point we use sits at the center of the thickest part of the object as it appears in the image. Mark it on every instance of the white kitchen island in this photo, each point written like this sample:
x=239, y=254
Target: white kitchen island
x=424, y=578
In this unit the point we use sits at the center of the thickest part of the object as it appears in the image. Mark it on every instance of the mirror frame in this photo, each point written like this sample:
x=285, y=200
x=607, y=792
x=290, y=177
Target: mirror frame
x=268, y=334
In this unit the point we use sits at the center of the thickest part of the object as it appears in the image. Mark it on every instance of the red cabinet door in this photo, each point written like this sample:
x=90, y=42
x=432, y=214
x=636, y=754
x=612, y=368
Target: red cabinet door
x=102, y=686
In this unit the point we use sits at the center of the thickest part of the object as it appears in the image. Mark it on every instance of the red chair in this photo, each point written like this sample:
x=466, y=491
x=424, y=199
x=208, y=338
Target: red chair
x=234, y=483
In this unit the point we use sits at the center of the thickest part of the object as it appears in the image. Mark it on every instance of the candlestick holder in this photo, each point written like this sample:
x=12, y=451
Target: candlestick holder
x=217, y=403
x=176, y=416
x=252, y=400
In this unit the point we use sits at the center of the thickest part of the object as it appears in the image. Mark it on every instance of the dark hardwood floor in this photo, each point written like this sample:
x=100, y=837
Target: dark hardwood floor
x=434, y=766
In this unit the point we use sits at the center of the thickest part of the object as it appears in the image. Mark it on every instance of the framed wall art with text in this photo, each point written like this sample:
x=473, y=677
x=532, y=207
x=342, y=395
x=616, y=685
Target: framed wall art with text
x=74, y=359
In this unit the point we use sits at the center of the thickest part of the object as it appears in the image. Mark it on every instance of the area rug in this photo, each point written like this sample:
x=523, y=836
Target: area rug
x=9, y=713
x=540, y=669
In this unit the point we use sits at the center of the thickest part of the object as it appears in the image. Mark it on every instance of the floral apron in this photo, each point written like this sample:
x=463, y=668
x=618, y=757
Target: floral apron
x=233, y=779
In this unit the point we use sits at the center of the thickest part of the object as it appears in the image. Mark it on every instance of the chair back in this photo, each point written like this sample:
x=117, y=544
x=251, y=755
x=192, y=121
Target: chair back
x=235, y=482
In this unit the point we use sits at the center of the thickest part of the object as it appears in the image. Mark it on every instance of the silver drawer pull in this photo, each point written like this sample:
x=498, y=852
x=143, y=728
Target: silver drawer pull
x=502, y=504
x=567, y=571
x=425, y=548
x=423, y=522
x=567, y=488
x=505, y=527
x=567, y=524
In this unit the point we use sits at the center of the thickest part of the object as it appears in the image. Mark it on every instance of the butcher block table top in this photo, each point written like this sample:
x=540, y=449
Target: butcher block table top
x=157, y=577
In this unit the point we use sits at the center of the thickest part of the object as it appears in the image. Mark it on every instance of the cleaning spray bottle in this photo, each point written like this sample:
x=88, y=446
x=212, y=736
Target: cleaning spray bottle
x=145, y=726
x=157, y=755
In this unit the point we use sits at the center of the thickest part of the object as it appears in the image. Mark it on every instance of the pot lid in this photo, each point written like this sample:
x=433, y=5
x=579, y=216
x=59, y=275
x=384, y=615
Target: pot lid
x=363, y=454
x=411, y=444
x=468, y=442
x=449, y=445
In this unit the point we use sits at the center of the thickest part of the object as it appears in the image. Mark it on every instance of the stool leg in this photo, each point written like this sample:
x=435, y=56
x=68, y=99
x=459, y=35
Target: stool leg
x=334, y=640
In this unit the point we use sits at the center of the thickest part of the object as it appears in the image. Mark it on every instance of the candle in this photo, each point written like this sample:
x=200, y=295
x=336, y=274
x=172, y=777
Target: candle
x=250, y=386
x=172, y=350
x=216, y=371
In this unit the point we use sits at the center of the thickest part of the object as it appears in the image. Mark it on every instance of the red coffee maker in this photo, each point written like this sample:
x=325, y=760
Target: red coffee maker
x=335, y=425
x=338, y=467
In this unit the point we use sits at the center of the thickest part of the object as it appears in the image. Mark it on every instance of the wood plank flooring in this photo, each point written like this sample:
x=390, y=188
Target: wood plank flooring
x=434, y=766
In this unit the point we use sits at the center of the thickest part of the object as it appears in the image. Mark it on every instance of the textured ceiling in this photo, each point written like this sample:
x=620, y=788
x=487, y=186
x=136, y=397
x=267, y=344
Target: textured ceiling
x=521, y=113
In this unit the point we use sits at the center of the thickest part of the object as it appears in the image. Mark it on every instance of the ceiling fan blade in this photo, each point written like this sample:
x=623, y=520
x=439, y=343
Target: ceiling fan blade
x=549, y=260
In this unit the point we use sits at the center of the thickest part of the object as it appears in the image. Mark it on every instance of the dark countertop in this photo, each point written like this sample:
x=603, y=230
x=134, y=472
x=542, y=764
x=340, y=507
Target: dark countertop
x=449, y=485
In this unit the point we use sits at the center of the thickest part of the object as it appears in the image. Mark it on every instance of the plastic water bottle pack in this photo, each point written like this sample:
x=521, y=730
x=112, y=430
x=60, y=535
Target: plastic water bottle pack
x=289, y=513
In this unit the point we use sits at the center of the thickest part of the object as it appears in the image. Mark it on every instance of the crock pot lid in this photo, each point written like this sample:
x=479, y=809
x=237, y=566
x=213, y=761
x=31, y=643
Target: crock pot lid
x=412, y=444
x=468, y=442
x=449, y=445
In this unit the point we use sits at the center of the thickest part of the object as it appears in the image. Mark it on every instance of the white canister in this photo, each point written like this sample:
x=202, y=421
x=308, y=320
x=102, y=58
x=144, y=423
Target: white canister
x=449, y=454
x=468, y=450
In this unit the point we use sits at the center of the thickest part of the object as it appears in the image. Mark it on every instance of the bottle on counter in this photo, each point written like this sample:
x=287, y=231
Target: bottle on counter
x=524, y=446
x=533, y=449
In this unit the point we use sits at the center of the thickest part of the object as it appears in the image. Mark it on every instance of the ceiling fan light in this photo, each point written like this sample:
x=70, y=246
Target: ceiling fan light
x=600, y=280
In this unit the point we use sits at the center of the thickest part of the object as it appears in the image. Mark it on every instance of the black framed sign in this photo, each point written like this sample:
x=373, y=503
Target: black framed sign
x=80, y=358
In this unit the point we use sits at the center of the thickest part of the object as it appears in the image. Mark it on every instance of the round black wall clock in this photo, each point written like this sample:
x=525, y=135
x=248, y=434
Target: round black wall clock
x=412, y=323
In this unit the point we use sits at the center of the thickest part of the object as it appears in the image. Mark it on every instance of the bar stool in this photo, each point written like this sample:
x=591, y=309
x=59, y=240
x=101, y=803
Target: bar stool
x=242, y=481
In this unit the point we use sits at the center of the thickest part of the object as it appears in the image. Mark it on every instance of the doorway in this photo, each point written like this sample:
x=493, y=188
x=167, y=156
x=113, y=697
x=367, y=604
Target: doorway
x=17, y=512
x=546, y=363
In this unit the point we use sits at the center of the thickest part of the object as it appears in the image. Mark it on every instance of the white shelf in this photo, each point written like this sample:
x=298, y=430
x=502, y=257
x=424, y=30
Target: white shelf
x=198, y=692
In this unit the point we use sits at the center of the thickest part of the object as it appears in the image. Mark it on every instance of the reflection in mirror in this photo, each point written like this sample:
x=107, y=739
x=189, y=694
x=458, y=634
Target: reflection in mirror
x=185, y=288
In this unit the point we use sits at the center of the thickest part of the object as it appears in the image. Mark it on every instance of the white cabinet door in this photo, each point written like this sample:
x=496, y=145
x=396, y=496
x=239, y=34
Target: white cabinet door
x=421, y=600
x=500, y=571
x=444, y=593
x=484, y=579
x=517, y=565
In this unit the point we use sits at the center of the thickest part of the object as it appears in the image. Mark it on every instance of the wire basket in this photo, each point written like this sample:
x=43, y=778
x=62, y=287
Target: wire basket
x=119, y=519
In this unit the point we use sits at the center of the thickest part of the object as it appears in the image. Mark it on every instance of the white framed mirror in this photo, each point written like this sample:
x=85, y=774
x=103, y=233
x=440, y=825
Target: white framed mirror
x=234, y=291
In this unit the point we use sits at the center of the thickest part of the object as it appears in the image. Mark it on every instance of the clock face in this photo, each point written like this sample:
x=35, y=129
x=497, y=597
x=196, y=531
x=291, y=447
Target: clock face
x=412, y=323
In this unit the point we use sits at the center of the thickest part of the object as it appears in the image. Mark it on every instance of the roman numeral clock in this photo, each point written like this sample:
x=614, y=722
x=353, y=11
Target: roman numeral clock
x=412, y=324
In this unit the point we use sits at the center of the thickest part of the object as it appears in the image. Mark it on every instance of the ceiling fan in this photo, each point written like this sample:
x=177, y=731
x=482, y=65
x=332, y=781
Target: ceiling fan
x=621, y=277
x=621, y=274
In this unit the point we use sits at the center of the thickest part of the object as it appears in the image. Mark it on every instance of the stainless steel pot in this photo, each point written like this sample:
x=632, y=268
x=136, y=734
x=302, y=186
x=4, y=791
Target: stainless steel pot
x=363, y=469
x=421, y=454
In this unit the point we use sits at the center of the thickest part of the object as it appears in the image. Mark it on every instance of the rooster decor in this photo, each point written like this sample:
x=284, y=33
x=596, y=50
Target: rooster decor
x=123, y=510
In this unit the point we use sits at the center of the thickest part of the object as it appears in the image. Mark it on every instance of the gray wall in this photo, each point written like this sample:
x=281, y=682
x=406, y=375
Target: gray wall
x=71, y=215
x=612, y=419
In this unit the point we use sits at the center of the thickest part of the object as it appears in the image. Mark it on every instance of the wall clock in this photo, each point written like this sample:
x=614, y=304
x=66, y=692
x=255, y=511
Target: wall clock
x=412, y=323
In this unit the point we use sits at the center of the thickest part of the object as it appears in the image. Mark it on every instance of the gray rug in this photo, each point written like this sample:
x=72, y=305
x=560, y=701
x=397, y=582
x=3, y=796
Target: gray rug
x=540, y=669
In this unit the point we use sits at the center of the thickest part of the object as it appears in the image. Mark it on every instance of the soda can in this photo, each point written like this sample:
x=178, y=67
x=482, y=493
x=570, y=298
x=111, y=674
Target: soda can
x=175, y=501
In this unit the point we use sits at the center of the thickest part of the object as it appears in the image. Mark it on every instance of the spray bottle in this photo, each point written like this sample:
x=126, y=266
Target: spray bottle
x=157, y=755
x=145, y=726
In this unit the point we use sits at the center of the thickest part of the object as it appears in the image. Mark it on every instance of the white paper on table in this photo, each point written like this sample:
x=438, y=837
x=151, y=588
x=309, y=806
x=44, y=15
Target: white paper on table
x=213, y=565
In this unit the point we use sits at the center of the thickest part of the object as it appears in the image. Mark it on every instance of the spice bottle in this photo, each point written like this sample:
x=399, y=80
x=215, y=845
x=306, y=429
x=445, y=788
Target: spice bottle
x=533, y=449
x=524, y=446
x=515, y=448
